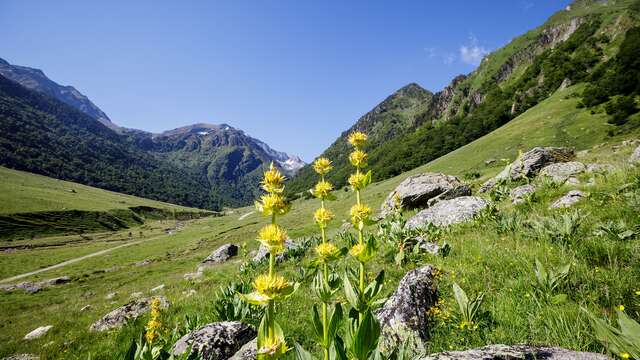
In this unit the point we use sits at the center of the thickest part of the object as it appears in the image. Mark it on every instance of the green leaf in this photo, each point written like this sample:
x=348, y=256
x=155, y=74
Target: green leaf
x=629, y=328
x=336, y=320
x=317, y=323
x=559, y=299
x=338, y=351
x=461, y=298
x=302, y=354
x=365, y=338
x=350, y=293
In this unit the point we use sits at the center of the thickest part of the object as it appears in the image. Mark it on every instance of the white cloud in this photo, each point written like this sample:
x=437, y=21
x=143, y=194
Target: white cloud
x=446, y=57
x=472, y=53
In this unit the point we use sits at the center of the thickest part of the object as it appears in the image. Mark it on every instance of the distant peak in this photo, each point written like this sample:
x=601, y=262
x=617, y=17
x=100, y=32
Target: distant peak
x=4, y=62
x=412, y=89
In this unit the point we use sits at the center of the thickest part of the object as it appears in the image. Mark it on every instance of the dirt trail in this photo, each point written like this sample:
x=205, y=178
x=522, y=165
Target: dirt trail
x=245, y=215
x=65, y=263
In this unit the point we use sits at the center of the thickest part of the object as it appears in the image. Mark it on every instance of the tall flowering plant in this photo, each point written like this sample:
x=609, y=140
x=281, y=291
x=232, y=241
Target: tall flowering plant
x=270, y=288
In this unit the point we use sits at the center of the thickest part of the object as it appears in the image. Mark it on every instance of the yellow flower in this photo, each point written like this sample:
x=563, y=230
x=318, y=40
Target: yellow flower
x=322, y=165
x=621, y=307
x=625, y=355
x=397, y=201
x=272, y=286
x=356, y=250
x=468, y=325
x=273, y=179
x=272, y=204
x=272, y=348
x=323, y=216
x=637, y=292
x=359, y=213
x=358, y=181
x=358, y=158
x=272, y=237
x=322, y=189
x=154, y=323
x=327, y=252
x=357, y=138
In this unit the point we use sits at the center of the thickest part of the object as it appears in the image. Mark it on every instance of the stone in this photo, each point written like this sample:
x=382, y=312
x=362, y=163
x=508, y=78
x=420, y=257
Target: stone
x=573, y=181
x=110, y=296
x=136, y=295
x=461, y=190
x=121, y=315
x=404, y=315
x=514, y=352
x=448, y=212
x=219, y=340
x=34, y=287
x=220, y=255
x=38, y=333
x=560, y=172
x=489, y=162
x=194, y=275
x=85, y=308
x=247, y=352
x=600, y=168
x=263, y=254
x=529, y=164
x=569, y=199
x=634, y=159
x=22, y=357
x=519, y=194
x=158, y=288
x=415, y=191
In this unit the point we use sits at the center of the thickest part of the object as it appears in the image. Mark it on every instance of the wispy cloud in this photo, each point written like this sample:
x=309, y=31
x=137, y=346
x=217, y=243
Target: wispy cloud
x=446, y=57
x=472, y=53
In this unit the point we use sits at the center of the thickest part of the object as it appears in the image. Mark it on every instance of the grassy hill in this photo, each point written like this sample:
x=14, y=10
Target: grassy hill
x=486, y=255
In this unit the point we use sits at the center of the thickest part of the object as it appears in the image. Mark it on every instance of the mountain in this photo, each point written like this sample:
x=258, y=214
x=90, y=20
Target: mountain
x=35, y=79
x=413, y=126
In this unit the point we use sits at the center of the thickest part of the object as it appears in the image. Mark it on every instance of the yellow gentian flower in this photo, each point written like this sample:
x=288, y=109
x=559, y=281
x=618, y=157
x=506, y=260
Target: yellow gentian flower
x=327, y=252
x=358, y=158
x=323, y=216
x=272, y=237
x=272, y=286
x=322, y=189
x=272, y=204
x=357, y=139
x=322, y=165
x=359, y=213
x=273, y=179
x=357, y=181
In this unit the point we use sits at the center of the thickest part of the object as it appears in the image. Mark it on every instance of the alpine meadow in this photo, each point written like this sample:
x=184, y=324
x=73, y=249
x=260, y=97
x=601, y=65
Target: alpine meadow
x=495, y=217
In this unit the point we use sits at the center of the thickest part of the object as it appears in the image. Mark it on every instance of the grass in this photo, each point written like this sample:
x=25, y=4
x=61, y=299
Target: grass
x=484, y=257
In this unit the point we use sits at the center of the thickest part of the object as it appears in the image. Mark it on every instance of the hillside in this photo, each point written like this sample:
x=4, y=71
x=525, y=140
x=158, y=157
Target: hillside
x=573, y=46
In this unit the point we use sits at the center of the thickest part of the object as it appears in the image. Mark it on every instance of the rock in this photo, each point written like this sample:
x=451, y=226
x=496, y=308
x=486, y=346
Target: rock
x=222, y=254
x=514, y=352
x=600, y=168
x=573, y=181
x=404, y=315
x=631, y=142
x=247, y=351
x=136, y=295
x=158, y=288
x=37, y=333
x=144, y=262
x=85, y=308
x=560, y=172
x=22, y=357
x=34, y=287
x=194, y=275
x=263, y=253
x=461, y=190
x=110, y=296
x=565, y=84
x=519, y=194
x=424, y=245
x=448, y=212
x=529, y=164
x=567, y=200
x=131, y=310
x=489, y=162
x=635, y=157
x=214, y=341
x=415, y=191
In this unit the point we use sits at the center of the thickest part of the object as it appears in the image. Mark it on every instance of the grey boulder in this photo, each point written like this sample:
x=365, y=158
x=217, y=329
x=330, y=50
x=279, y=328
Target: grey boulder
x=404, y=315
x=519, y=194
x=121, y=315
x=448, y=212
x=600, y=168
x=569, y=199
x=248, y=351
x=263, y=254
x=514, y=352
x=215, y=341
x=560, y=172
x=529, y=164
x=33, y=287
x=38, y=333
x=221, y=254
x=635, y=157
x=416, y=191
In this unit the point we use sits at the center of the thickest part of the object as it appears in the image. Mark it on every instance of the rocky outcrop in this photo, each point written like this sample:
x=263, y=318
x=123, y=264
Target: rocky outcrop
x=635, y=157
x=560, y=172
x=461, y=190
x=404, y=315
x=529, y=164
x=33, y=287
x=247, y=351
x=121, y=315
x=416, y=191
x=215, y=341
x=568, y=200
x=448, y=212
x=514, y=352
x=38, y=333
x=263, y=254
x=519, y=194
x=221, y=254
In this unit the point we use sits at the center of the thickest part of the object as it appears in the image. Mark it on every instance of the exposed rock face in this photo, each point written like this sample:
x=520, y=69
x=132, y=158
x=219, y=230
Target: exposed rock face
x=404, y=315
x=247, y=351
x=635, y=157
x=121, y=315
x=530, y=163
x=222, y=254
x=519, y=194
x=263, y=253
x=34, y=287
x=560, y=172
x=215, y=341
x=416, y=191
x=461, y=190
x=448, y=212
x=513, y=352
x=37, y=333
x=567, y=200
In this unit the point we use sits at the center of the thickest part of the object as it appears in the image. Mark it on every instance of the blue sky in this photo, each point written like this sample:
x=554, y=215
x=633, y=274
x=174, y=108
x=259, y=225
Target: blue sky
x=294, y=74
